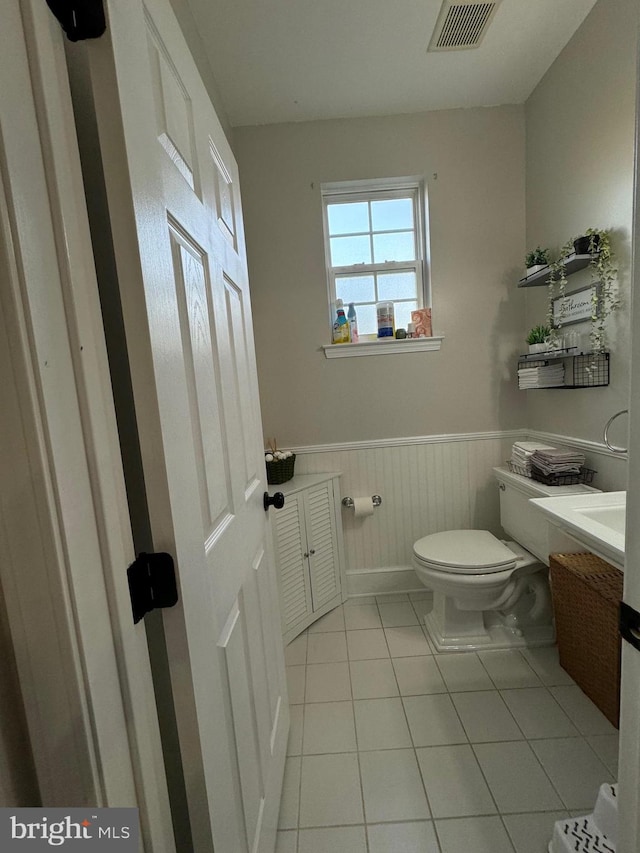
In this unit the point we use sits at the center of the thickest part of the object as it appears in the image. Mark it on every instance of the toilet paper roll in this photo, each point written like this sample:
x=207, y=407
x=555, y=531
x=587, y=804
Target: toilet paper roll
x=362, y=507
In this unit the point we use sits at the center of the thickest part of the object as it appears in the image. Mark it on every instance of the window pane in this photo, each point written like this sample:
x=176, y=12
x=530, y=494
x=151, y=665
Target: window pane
x=357, y=288
x=392, y=214
x=348, y=218
x=403, y=313
x=350, y=250
x=394, y=247
x=397, y=285
x=367, y=320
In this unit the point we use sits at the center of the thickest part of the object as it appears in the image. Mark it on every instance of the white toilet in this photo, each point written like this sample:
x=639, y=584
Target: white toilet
x=490, y=593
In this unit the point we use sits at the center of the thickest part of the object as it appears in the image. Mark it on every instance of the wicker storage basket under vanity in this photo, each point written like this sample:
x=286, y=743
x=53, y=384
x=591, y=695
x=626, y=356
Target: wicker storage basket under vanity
x=586, y=595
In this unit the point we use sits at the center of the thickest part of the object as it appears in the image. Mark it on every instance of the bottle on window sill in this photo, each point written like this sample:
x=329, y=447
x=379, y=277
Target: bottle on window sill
x=353, y=323
x=341, y=325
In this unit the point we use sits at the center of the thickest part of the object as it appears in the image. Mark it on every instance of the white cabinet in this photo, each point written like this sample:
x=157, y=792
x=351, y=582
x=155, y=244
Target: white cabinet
x=307, y=534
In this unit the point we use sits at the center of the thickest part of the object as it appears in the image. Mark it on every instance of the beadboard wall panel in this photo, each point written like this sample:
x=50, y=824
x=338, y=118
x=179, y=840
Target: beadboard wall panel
x=427, y=484
x=425, y=487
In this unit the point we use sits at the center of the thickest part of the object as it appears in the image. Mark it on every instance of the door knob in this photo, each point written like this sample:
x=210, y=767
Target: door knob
x=277, y=500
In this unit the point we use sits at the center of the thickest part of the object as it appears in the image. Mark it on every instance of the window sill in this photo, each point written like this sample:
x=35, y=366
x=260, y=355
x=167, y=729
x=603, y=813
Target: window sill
x=390, y=346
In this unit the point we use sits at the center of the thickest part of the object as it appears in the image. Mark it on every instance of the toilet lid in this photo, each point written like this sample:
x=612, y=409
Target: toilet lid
x=465, y=551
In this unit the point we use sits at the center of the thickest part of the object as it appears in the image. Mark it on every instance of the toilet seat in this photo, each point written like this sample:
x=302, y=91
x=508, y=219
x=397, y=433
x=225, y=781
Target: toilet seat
x=466, y=552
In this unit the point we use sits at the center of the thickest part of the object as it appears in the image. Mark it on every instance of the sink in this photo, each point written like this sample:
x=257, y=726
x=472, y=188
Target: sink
x=596, y=520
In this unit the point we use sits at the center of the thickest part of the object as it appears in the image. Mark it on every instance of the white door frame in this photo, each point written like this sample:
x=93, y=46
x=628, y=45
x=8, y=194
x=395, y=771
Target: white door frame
x=66, y=538
x=629, y=769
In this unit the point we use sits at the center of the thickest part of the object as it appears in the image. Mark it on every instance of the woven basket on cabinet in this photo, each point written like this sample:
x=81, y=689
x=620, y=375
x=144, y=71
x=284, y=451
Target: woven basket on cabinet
x=280, y=470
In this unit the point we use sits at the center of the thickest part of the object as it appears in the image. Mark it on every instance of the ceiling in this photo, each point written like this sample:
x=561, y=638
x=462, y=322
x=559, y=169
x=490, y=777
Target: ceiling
x=297, y=60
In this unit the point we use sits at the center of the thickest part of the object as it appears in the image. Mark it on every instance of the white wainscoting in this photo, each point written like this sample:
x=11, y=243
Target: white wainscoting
x=427, y=484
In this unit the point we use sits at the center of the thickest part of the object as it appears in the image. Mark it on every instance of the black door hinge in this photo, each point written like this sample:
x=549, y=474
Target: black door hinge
x=152, y=583
x=630, y=625
x=80, y=19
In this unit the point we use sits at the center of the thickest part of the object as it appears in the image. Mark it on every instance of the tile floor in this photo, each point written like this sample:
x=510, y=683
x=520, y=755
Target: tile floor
x=395, y=749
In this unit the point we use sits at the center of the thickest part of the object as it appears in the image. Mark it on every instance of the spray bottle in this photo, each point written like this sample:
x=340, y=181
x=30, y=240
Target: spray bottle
x=353, y=323
x=341, y=325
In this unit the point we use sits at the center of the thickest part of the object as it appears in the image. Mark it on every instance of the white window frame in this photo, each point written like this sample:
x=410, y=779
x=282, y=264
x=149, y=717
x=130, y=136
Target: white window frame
x=374, y=190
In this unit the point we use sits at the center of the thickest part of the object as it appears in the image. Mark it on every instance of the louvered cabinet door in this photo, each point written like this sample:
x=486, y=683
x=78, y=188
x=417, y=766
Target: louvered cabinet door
x=291, y=555
x=322, y=542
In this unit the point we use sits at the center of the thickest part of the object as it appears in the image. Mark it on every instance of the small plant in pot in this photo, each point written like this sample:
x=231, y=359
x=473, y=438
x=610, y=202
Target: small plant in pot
x=537, y=338
x=536, y=260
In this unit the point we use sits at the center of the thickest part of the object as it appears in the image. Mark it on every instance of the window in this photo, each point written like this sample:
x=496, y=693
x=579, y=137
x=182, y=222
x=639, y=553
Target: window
x=375, y=248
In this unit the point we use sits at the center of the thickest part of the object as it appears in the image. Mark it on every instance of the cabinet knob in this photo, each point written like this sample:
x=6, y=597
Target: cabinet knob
x=312, y=550
x=277, y=500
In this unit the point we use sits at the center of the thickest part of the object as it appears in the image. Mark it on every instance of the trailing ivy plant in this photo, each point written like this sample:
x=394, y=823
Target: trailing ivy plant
x=604, y=275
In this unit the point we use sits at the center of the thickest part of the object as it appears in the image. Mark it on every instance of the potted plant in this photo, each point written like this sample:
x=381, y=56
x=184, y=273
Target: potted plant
x=536, y=260
x=537, y=338
x=604, y=275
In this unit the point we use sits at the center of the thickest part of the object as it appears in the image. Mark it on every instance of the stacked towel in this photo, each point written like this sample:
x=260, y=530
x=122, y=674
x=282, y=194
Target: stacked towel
x=521, y=454
x=549, y=376
x=557, y=460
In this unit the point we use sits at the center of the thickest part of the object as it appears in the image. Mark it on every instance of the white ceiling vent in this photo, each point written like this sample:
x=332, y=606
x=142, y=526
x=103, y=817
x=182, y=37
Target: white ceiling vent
x=462, y=26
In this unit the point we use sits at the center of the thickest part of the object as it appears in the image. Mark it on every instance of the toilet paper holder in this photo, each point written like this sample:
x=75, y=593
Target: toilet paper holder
x=376, y=500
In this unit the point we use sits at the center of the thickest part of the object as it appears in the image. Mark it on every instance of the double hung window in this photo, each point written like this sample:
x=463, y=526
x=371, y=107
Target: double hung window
x=375, y=248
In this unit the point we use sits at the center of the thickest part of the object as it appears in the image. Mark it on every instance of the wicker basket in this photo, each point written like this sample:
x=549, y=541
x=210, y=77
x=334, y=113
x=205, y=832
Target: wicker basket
x=280, y=470
x=586, y=595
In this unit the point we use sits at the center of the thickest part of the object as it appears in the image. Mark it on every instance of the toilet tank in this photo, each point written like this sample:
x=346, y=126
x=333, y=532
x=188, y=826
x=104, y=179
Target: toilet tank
x=519, y=519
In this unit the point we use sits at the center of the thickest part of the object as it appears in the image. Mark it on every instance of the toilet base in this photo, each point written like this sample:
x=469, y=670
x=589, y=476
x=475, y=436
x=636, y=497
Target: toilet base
x=454, y=630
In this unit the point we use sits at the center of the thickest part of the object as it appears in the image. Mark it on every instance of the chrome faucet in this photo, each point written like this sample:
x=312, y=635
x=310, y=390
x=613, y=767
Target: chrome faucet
x=605, y=435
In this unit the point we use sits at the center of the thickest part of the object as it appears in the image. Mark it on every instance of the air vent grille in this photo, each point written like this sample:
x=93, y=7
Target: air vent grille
x=461, y=26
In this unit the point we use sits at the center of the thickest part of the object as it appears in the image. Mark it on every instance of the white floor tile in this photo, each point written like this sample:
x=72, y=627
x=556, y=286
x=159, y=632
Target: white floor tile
x=545, y=662
x=463, y=672
x=328, y=727
x=586, y=716
x=328, y=647
x=398, y=614
x=367, y=644
x=360, y=617
x=531, y=833
x=295, y=654
x=290, y=800
x=574, y=769
x=417, y=676
x=373, y=679
x=423, y=595
x=485, y=717
x=433, y=720
x=392, y=786
x=477, y=834
x=328, y=682
x=330, y=790
x=295, y=684
x=538, y=714
x=516, y=779
x=294, y=745
x=454, y=783
x=407, y=641
x=417, y=837
x=381, y=724
x=508, y=668
x=287, y=841
x=338, y=839
x=331, y=621
x=606, y=748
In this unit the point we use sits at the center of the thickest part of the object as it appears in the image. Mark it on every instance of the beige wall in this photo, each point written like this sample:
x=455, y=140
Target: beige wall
x=476, y=210
x=580, y=143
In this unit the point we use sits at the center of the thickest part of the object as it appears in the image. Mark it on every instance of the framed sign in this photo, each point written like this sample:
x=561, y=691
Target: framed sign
x=576, y=307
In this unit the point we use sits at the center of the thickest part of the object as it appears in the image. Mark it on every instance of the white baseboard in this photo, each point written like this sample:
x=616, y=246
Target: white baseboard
x=381, y=581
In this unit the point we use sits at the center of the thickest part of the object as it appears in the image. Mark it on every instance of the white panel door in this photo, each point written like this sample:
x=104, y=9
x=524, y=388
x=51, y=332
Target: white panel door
x=174, y=203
